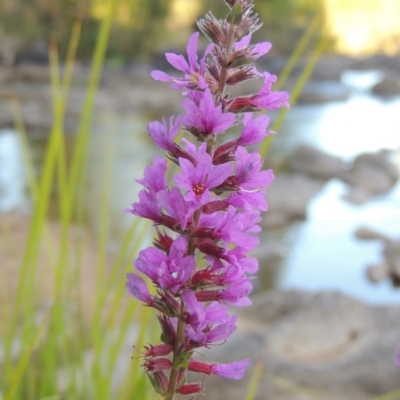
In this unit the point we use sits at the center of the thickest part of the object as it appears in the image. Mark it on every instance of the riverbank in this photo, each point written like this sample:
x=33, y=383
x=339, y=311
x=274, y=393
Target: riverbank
x=130, y=89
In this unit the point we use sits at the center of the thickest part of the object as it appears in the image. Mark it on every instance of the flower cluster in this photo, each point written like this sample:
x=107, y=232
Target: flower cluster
x=207, y=220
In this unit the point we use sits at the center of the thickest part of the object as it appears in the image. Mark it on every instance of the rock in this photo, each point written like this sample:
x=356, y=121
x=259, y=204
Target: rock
x=288, y=199
x=380, y=62
x=372, y=172
x=378, y=272
x=388, y=86
x=311, y=161
x=312, y=345
x=391, y=253
x=365, y=233
x=357, y=195
x=389, y=268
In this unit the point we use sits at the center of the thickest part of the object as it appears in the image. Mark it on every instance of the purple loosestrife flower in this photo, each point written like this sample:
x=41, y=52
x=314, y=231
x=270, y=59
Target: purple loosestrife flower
x=199, y=179
x=233, y=370
x=212, y=211
x=265, y=99
x=205, y=120
x=194, y=72
x=168, y=272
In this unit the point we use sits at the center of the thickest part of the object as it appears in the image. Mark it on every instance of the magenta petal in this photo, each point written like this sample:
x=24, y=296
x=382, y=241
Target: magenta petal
x=221, y=332
x=192, y=49
x=178, y=62
x=234, y=370
x=225, y=122
x=160, y=76
x=262, y=48
x=137, y=287
x=244, y=42
x=219, y=174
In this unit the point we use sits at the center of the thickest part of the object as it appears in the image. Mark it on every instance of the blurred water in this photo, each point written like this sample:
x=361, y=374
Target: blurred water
x=326, y=255
x=322, y=252
x=12, y=172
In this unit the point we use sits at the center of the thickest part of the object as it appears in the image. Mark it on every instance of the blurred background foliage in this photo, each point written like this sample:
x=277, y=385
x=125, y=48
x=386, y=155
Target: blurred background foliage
x=142, y=28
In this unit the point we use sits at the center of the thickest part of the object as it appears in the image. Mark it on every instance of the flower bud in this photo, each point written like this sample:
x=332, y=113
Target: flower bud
x=209, y=247
x=157, y=350
x=235, y=15
x=160, y=382
x=240, y=75
x=171, y=303
x=168, y=335
x=216, y=30
x=199, y=366
x=157, y=364
x=163, y=241
x=214, y=206
x=208, y=295
x=191, y=388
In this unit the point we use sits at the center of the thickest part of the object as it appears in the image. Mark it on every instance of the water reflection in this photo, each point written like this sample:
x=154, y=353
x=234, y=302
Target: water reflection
x=12, y=173
x=327, y=256
x=363, y=123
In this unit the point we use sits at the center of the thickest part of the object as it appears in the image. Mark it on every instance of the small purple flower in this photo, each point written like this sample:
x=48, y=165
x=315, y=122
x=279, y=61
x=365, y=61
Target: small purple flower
x=257, y=50
x=154, y=176
x=194, y=72
x=207, y=324
x=206, y=119
x=266, y=99
x=234, y=370
x=231, y=227
x=176, y=205
x=254, y=130
x=137, y=287
x=249, y=176
x=154, y=181
x=199, y=179
x=164, y=136
x=169, y=271
x=251, y=52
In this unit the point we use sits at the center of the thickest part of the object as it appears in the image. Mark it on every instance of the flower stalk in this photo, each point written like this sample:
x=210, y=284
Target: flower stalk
x=212, y=210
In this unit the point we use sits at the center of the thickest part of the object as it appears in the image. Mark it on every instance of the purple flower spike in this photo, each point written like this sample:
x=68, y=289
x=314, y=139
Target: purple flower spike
x=194, y=72
x=212, y=210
